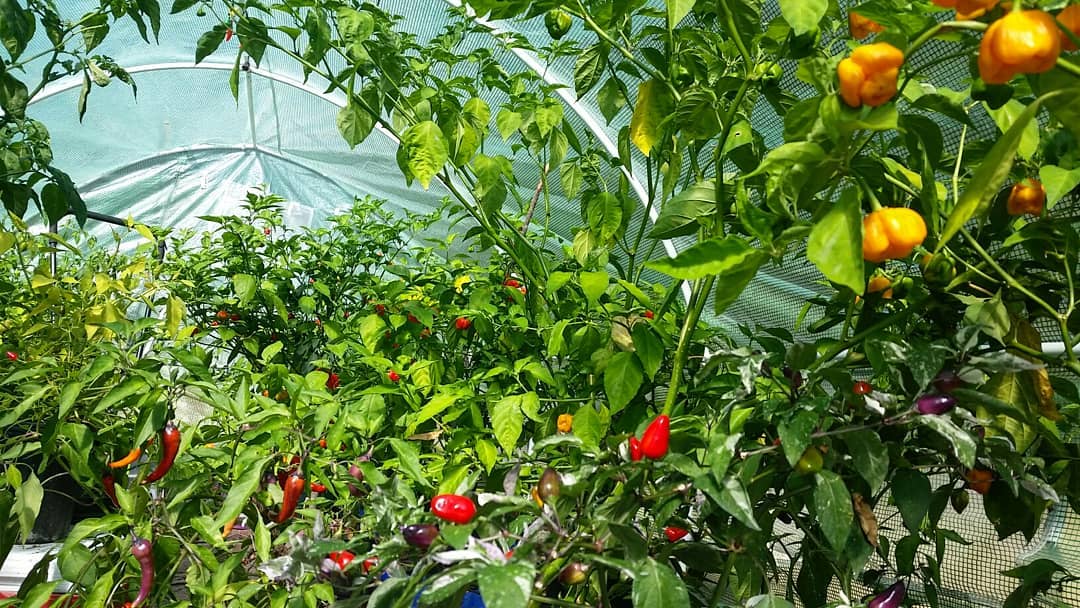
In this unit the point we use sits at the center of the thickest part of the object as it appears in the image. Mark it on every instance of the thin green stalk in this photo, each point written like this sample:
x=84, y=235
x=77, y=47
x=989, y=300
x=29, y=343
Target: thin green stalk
x=1008, y=278
x=697, y=303
x=975, y=26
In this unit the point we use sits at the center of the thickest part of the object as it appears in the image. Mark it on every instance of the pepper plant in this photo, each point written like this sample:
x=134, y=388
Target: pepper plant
x=550, y=425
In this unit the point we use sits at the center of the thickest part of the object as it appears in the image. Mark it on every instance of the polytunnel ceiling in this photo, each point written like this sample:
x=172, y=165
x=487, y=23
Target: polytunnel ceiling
x=184, y=147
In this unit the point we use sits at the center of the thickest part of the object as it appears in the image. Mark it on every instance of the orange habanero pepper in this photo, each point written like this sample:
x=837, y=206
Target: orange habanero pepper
x=1028, y=196
x=1070, y=18
x=892, y=233
x=1027, y=42
x=861, y=27
x=869, y=75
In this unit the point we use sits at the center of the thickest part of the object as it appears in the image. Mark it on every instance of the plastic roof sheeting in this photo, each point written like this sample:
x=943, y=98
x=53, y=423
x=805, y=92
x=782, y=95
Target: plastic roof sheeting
x=184, y=147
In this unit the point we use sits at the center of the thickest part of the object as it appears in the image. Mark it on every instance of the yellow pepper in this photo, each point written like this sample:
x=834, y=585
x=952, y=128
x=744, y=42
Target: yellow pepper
x=861, y=27
x=1028, y=196
x=869, y=75
x=892, y=233
x=1027, y=42
x=565, y=423
x=880, y=283
x=1070, y=18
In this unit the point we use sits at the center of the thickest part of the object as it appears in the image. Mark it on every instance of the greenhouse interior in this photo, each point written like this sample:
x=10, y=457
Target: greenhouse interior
x=540, y=303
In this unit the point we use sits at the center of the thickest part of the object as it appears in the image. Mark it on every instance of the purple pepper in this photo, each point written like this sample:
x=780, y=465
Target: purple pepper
x=935, y=404
x=420, y=535
x=947, y=381
x=890, y=598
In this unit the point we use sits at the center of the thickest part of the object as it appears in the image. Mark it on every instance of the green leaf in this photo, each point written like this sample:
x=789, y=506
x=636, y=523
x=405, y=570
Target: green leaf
x=835, y=244
x=803, y=15
x=990, y=176
x=911, y=493
x=698, y=115
x=388, y=592
x=588, y=427
x=589, y=68
x=53, y=202
x=174, y=314
x=409, y=460
x=963, y=443
x=1007, y=115
x=487, y=453
x=68, y=395
x=1058, y=182
x=425, y=151
x=245, y=287
x=731, y=497
x=768, y=601
x=355, y=123
x=209, y=42
x=679, y=216
x=605, y=215
x=593, y=285
x=240, y=492
x=506, y=585
x=100, y=592
x=353, y=25
x=507, y=420
x=180, y=6
x=271, y=351
x=869, y=457
x=548, y=116
x=656, y=586
x=654, y=104
x=946, y=106
x=648, y=348
x=677, y=9
x=795, y=435
x=610, y=99
x=28, y=498
x=832, y=504
x=622, y=380
x=508, y=122
x=39, y=595
x=783, y=157
x=720, y=257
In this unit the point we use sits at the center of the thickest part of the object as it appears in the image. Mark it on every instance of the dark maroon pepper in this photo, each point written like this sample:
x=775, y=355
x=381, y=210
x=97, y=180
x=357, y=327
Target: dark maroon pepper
x=935, y=404
x=890, y=598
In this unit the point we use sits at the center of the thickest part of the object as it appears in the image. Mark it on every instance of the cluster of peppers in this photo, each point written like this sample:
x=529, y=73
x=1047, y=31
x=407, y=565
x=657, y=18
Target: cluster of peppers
x=170, y=446
x=1020, y=42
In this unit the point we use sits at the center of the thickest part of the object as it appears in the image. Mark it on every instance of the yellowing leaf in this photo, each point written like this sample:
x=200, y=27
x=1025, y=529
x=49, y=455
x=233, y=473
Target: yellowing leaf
x=653, y=105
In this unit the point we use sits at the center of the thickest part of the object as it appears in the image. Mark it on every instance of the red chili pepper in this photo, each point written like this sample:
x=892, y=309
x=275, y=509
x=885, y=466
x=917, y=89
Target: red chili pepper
x=110, y=488
x=294, y=487
x=862, y=388
x=462, y=324
x=141, y=550
x=170, y=445
x=675, y=533
x=649, y=314
x=317, y=488
x=12, y=355
x=635, y=449
x=392, y=375
x=333, y=381
x=654, y=441
x=369, y=563
x=453, y=508
x=342, y=558
x=228, y=34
